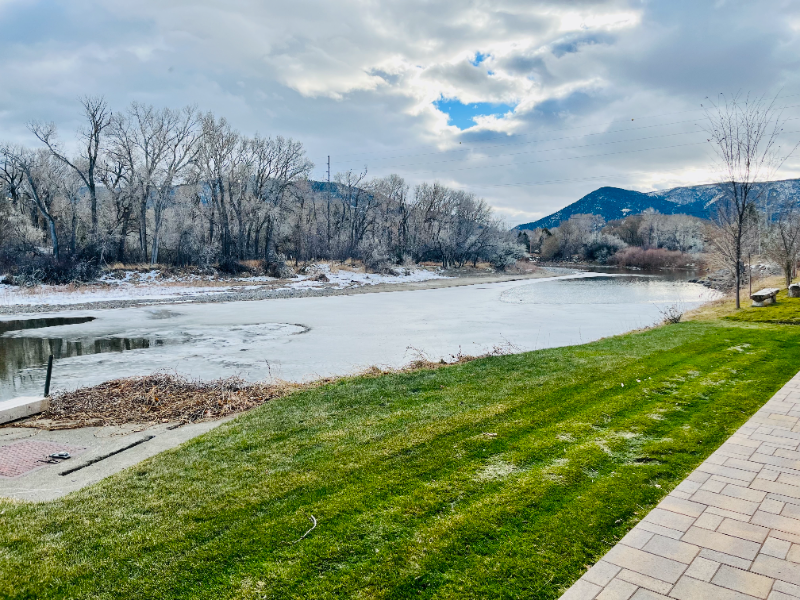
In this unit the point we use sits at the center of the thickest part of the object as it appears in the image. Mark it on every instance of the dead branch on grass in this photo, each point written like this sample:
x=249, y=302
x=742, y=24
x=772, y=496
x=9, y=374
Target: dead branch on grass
x=313, y=526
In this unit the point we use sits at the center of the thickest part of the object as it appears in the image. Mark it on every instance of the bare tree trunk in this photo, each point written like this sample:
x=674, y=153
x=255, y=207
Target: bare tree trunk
x=154, y=251
x=98, y=118
x=738, y=269
x=53, y=235
x=211, y=224
x=123, y=237
x=268, y=238
x=73, y=232
x=143, y=231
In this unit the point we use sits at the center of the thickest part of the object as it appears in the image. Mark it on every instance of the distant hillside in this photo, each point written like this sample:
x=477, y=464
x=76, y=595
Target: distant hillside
x=615, y=203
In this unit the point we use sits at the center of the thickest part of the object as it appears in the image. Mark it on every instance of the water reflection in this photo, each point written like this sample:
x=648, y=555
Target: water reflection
x=38, y=323
x=609, y=289
x=23, y=359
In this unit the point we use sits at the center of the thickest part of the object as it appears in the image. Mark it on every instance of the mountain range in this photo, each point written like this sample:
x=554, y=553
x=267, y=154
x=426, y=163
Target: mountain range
x=615, y=203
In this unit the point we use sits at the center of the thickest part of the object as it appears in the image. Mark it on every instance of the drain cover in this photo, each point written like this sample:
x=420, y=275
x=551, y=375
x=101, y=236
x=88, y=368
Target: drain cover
x=22, y=457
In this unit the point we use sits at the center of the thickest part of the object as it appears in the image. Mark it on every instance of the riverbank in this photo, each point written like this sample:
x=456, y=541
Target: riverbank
x=44, y=300
x=503, y=477
x=305, y=339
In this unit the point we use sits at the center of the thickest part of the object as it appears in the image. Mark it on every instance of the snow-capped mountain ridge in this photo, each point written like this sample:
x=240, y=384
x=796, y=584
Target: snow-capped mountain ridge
x=615, y=203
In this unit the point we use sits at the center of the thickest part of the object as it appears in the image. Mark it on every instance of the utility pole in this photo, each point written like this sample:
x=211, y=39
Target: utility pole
x=328, y=210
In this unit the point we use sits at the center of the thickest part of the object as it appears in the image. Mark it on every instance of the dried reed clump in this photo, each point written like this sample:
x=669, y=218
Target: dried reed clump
x=651, y=258
x=159, y=398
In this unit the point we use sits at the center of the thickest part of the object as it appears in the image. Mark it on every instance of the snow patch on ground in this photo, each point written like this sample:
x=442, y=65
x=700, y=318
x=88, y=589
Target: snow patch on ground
x=153, y=284
x=63, y=295
x=344, y=279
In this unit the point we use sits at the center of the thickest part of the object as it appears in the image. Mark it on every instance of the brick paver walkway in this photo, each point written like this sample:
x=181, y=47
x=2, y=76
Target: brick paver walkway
x=22, y=457
x=731, y=530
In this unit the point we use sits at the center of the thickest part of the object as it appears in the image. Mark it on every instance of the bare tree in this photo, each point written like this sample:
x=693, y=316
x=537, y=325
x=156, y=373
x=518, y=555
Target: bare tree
x=219, y=154
x=115, y=177
x=11, y=178
x=199, y=192
x=277, y=165
x=396, y=213
x=98, y=117
x=782, y=239
x=42, y=180
x=744, y=134
x=153, y=150
x=179, y=138
x=71, y=190
x=354, y=209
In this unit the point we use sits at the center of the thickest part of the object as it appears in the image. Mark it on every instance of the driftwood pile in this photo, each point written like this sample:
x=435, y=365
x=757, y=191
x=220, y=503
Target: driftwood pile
x=158, y=398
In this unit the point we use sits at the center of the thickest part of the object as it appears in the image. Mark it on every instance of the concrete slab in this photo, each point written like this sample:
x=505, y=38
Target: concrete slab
x=108, y=451
x=24, y=406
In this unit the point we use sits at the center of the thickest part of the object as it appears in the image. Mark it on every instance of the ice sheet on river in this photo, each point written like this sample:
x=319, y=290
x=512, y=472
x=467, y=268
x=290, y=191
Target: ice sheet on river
x=303, y=338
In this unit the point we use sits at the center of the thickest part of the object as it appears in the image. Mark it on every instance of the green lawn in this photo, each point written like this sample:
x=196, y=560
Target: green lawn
x=784, y=311
x=500, y=478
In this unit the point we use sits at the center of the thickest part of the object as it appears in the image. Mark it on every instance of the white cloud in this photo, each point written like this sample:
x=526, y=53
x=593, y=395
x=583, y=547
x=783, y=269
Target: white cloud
x=358, y=79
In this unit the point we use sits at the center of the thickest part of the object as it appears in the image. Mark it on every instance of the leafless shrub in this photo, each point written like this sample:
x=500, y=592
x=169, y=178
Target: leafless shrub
x=650, y=258
x=672, y=314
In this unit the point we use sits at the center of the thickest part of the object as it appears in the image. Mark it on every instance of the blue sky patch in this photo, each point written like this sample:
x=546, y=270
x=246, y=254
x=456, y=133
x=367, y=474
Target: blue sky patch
x=463, y=115
x=479, y=58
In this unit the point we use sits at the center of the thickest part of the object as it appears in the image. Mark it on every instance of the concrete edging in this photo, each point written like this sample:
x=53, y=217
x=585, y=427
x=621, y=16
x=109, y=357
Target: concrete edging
x=24, y=406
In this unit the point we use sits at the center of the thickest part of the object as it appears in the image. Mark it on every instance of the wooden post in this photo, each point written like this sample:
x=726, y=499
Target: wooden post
x=49, y=374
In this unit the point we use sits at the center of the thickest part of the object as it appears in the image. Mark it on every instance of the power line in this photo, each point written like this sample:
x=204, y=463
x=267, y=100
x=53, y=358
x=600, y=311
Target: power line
x=572, y=137
x=556, y=150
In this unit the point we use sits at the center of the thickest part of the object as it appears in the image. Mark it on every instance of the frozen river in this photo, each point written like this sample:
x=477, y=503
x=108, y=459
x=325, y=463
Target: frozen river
x=304, y=338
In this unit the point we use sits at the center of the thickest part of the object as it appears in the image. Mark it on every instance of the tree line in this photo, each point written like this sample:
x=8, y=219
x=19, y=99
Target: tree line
x=182, y=187
x=591, y=238
x=749, y=218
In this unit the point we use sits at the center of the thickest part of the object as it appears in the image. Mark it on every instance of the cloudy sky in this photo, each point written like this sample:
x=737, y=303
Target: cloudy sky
x=530, y=104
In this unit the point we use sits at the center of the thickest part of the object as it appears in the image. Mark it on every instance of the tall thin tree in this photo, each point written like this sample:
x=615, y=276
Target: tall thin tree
x=97, y=118
x=744, y=133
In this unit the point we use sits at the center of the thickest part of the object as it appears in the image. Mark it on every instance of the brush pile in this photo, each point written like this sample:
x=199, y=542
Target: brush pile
x=157, y=398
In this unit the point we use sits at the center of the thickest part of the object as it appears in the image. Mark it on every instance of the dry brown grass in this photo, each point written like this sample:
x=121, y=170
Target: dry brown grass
x=253, y=264
x=138, y=267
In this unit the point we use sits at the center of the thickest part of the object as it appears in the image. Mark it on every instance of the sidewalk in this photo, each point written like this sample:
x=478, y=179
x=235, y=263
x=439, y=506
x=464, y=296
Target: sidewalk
x=729, y=531
x=96, y=453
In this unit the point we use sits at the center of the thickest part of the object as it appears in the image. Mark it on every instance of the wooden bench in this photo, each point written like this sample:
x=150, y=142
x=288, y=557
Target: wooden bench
x=764, y=297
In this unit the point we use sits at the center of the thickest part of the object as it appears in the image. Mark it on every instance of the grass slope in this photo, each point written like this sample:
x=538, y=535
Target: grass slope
x=501, y=478
x=784, y=311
